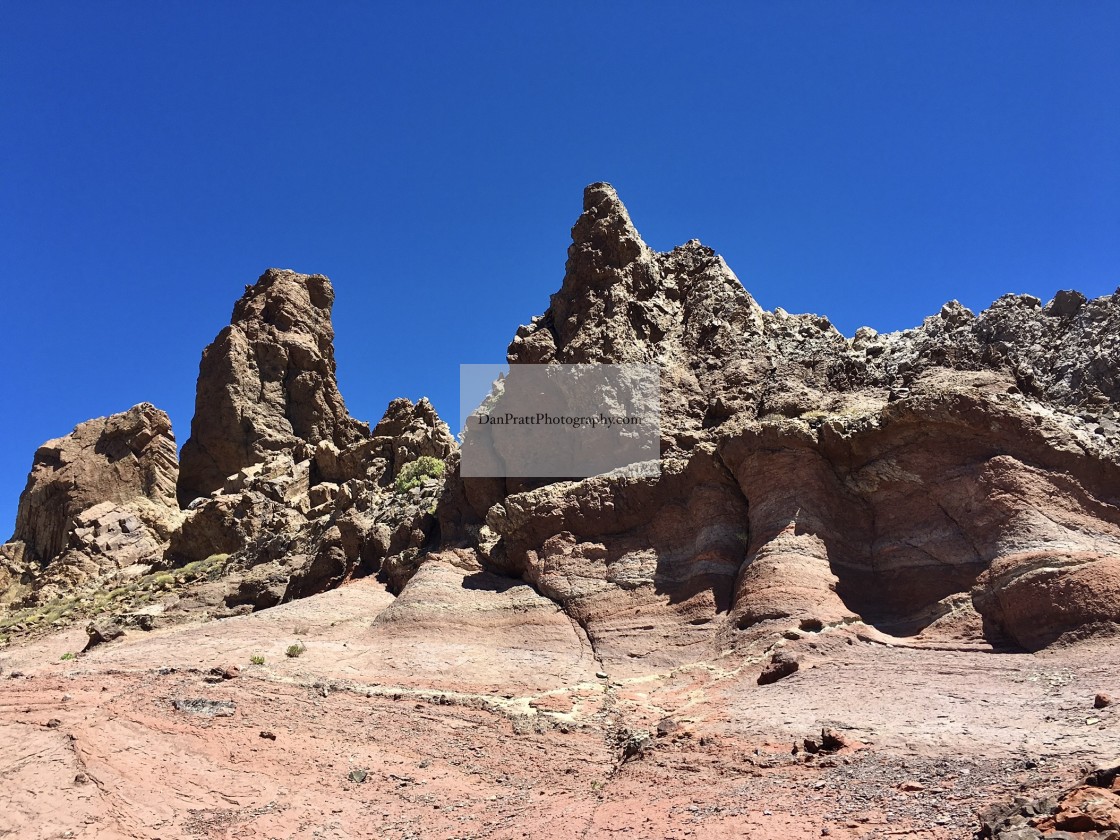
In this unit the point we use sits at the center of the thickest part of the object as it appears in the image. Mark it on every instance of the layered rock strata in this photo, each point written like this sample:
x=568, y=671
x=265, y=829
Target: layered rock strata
x=960, y=479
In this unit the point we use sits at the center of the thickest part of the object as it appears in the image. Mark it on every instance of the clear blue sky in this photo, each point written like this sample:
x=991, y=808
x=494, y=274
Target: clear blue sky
x=867, y=161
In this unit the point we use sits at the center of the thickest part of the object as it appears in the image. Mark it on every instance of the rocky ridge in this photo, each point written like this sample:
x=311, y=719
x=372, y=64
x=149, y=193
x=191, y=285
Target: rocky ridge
x=287, y=495
x=883, y=502
x=959, y=481
x=955, y=482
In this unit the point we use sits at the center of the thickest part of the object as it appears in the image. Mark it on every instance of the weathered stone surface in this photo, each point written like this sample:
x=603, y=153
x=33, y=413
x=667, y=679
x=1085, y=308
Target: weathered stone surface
x=406, y=432
x=102, y=631
x=882, y=478
x=781, y=665
x=267, y=383
x=647, y=566
x=120, y=459
x=957, y=481
x=97, y=500
x=17, y=573
x=309, y=520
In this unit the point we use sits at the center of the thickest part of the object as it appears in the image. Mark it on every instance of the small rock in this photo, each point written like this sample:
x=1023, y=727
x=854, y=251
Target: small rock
x=636, y=743
x=831, y=740
x=912, y=787
x=600, y=675
x=782, y=664
x=102, y=631
x=54, y=723
x=81, y=779
x=266, y=734
x=357, y=776
x=667, y=726
x=1101, y=701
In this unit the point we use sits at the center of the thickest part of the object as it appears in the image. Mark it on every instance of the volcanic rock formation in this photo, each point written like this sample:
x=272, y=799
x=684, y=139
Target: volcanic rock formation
x=850, y=527
x=97, y=500
x=266, y=383
x=281, y=477
x=961, y=477
x=956, y=482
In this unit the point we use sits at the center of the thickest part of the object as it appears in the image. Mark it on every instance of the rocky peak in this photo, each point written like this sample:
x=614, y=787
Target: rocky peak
x=883, y=476
x=267, y=383
x=118, y=459
x=604, y=235
x=622, y=302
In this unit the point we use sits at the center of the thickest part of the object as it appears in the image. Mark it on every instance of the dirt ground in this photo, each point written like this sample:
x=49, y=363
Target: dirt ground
x=388, y=730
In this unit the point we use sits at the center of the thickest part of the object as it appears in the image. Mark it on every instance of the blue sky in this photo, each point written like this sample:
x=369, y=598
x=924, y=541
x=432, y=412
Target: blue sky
x=867, y=161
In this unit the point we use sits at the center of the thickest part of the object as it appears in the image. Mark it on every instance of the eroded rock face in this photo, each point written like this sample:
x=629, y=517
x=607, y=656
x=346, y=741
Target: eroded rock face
x=97, y=500
x=121, y=458
x=959, y=480
x=267, y=383
x=306, y=520
x=647, y=566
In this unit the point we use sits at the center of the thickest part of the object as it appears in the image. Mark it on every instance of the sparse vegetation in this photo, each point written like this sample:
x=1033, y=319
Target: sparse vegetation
x=295, y=650
x=67, y=656
x=414, y=473
x=124, y=596
x=257, y=659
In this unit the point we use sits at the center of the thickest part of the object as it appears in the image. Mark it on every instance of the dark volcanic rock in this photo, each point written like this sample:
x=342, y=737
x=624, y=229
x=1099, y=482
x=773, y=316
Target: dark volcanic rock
x=102, y=631
x=782, y=663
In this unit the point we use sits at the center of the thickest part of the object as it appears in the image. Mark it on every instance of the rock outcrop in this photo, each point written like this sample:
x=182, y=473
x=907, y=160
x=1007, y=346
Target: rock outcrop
x=97, y=500
x=958, y=479
x=267, y=383
x=307, y=520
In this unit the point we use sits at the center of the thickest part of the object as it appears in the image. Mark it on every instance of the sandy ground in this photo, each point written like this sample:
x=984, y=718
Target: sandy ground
x=498, y=724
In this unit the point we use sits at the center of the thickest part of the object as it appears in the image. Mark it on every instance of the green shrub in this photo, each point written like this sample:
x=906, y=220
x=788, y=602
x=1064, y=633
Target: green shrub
x=295, y=650
x=256, y=659
x=414, y=472
x=208, y=568
x=66, y=656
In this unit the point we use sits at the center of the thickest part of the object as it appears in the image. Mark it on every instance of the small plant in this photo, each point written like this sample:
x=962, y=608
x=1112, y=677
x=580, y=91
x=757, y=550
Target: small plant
x=256, y=659
x=295, y=650
x=415, y=472
x=66, y=656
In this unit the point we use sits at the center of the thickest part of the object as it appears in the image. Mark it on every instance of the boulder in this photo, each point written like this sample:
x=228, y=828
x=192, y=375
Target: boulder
x=121, y=459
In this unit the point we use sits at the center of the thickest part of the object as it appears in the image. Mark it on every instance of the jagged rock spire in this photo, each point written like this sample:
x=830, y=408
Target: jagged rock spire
x=266, y=383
